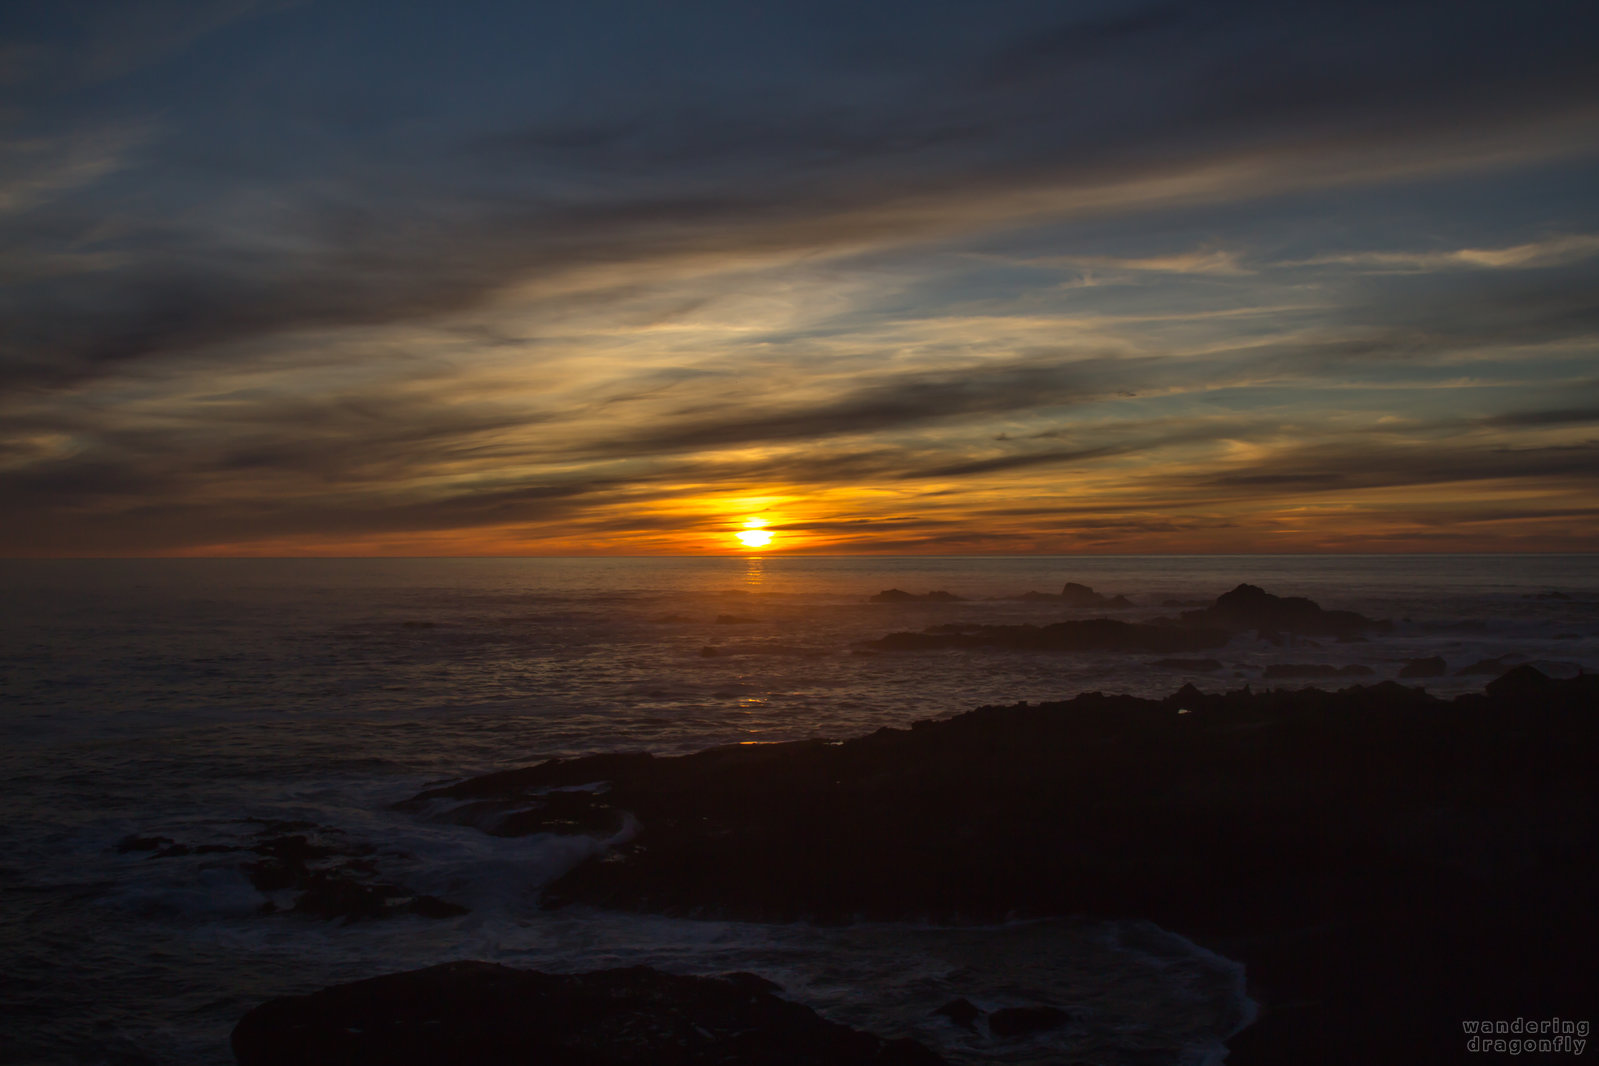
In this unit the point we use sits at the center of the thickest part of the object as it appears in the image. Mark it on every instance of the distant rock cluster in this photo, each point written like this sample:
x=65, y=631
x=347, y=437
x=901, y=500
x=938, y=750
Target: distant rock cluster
x=1245, y=608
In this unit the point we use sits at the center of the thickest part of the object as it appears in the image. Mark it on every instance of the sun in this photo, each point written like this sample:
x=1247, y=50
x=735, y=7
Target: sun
x=752, y=535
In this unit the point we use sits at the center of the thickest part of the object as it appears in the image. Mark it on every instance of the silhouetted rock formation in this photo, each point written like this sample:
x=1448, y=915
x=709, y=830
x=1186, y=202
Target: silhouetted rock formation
x=1089, y=634
x=1245, y=607
x=1193, y=666
x=961, y=1012
x=1010, y=1022
x=901, y=596
x=1076, y=595
x=1384, y=862
x=1251, y=607
x=329, y=876
x=1320, y=671
x=1430, y=667
x=480, y=1014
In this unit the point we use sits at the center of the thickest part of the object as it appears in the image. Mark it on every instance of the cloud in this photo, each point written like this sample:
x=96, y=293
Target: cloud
x=1550, y=252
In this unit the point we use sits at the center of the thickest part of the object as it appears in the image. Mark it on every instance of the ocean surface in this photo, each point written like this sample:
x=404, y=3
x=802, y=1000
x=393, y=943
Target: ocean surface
x=205, y=700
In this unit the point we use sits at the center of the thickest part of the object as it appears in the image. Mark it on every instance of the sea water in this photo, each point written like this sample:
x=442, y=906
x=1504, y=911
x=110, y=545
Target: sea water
x=203, y=699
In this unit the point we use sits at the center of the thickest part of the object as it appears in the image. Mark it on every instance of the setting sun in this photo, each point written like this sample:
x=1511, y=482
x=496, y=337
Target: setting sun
x=752, y=535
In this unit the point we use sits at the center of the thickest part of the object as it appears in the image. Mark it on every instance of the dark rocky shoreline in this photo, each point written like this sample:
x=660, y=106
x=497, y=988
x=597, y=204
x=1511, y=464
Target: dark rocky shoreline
x=1384, y=862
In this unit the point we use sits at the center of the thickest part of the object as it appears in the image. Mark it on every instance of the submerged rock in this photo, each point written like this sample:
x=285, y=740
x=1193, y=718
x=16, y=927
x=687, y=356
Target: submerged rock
x=481, y=1014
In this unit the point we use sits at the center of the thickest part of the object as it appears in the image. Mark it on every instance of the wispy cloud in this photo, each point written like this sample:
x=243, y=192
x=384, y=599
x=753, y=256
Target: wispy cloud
x=1549, y=252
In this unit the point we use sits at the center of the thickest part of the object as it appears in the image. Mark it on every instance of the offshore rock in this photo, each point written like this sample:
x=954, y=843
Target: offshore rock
x=1077, y=595
x=1433, y=666
x=901, y=596
x=1251, y=607
x=482, y=1014
x=1320, y=671
x=1090, y=634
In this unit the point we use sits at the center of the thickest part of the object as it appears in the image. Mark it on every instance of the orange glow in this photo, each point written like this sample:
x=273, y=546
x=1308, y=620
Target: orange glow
x=752, y=535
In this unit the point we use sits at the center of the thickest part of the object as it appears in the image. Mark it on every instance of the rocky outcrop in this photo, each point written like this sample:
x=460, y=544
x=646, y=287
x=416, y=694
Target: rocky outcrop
x=1192, y=666
x=1433, y=666
x=1090, y=634
x=1314, y=671
x=1251, y=607
x=1384, y=862
x=482, y=1014
x=901, y=596
x=309, y=869
x=1076, y=595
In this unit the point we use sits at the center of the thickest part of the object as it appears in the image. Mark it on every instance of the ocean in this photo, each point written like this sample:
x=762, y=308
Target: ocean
x=205, y=702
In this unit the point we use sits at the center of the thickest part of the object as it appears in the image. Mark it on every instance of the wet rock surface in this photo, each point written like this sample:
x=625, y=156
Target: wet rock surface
x=488, y=1015
x=1384, y=862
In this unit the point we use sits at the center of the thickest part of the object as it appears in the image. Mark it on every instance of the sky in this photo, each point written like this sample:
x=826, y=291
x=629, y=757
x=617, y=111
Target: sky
x=338, y=277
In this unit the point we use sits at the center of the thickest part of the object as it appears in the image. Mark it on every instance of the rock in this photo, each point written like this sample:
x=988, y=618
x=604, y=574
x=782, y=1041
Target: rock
x=1091, y=634
x=482, y=1014
x=709, y=652
x=330, y=894
x=901, y=596
x=138, y=843
x=1011, y=1022
x=434, y=907
x=1251, y=607
x=1314, y=670
x=962, y=1012
x=1521, y=682
x=1194, y=666
x=1077, y=595
x=1380, y=859
x=1429, y=667
x=1484, y=668
x=331, y=877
